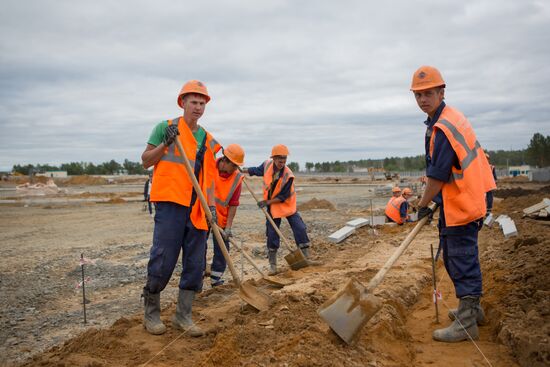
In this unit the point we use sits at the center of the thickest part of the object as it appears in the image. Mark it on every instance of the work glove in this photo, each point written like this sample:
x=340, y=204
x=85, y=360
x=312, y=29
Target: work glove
x=425, y=211
x=228, y=233
x=170, y=134
x=214, y=215
x=262, y=204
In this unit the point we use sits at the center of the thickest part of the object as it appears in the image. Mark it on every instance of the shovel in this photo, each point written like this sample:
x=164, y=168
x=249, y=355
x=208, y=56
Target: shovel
x=295, y=258
x=247, y=292
x=353, y=306
x=271, y=280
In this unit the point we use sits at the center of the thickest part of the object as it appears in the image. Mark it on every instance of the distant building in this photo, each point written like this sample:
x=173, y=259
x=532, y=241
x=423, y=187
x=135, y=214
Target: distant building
x=53, y=174
x=519, y=170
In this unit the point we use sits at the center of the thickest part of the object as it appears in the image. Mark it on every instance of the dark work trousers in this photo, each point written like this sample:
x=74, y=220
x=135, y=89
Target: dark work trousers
x=218, y=261
x=460, y=256
x=173, y=233
x=489, y=201
x=298, y=227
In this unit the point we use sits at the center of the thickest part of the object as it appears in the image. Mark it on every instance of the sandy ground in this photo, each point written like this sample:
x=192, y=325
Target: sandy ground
x=41, y=311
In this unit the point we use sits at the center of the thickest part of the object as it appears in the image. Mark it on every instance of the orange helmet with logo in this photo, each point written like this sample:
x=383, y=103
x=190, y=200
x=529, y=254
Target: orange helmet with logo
x=426, y=77
x=235, y=153
x=193, y=86
x=279, y=149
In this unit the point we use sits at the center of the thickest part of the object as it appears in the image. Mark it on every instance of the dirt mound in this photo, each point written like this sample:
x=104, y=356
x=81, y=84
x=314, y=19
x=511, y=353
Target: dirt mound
x=316, y=204
x=84, y=180
x=116, y=200
x=518, y=191
x=516, y=287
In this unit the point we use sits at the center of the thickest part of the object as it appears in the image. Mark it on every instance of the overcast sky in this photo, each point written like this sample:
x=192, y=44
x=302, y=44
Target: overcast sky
x=87, y=81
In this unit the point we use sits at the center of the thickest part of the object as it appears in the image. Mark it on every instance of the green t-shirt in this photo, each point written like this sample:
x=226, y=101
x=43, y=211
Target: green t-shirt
x=157, y=135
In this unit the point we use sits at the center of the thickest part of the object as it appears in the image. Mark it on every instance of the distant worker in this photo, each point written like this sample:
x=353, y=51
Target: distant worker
x=489, y=195
x=458, y=178
x=280, y=201
x=398, y=206
x=228, y=191
x=396, y=191
x=180, y=222
x=147, y=193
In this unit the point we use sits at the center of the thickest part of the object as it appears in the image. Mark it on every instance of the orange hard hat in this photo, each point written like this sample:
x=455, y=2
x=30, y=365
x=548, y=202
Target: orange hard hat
x=426, y=77
x=407, y=191
x=396, y=189
x=235, y=153
x=279, y=149
x=193, y=86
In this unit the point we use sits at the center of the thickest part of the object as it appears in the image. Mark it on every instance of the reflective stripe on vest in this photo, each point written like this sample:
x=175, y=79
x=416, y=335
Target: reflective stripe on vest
x=170, y=155
x=234, y=185
x=464, y=193
x=393, y=209
x=471, y=153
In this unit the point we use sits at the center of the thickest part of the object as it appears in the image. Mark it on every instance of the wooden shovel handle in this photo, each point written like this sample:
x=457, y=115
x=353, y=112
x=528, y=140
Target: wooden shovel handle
x=375, y=281
x=287, y=244
x=247, y=256
x=204, y=204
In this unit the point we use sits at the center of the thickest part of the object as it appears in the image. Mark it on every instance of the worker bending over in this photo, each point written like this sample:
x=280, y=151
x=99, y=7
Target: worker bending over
x=180, y=222
x=458, y=178
x=280, y=200
x=398, y=206
x=228, y=191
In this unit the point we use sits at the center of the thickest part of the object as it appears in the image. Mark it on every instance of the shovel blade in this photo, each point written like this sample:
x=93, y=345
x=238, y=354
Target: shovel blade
x=349, y=310
x=276, y=282
x=254, y=297
x=296, y=260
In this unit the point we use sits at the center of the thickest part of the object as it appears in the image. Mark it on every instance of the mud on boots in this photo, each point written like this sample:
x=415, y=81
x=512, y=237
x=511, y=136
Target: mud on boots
x=182, y=320
x=272, y=257
x=304, y=247
x=480, y=315
x=464, y=326
x=151, y=320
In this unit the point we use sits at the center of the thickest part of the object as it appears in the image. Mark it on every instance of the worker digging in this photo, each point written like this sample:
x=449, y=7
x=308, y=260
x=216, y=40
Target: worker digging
x=279, y=198
x=228, y=186
x=398, y=206
x=458, y=175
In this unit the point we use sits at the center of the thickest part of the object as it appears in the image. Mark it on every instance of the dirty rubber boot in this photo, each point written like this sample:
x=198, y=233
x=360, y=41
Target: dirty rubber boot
x=480, y=315
x=182, y=319
x=151, y=318
x=272, y=256
x=305, y=251
x=467, y=316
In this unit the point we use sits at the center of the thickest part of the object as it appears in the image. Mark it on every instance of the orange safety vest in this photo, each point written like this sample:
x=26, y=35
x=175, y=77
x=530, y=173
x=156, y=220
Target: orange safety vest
x=170, y=176
x=392, y=209
x=464, y=194
x=225, y=188
x=288, y=207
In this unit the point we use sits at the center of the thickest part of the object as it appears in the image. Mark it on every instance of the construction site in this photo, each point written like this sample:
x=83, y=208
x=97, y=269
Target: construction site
x=88, y=231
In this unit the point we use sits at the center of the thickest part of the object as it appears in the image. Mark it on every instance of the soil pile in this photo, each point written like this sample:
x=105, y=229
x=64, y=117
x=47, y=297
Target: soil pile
x=84, y=180
x=316, y=204
x=518, y=191
x=516, y=287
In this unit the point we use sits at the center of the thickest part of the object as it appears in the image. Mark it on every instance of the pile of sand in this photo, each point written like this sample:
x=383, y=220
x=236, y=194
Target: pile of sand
x=85, y=180
x=316, y=204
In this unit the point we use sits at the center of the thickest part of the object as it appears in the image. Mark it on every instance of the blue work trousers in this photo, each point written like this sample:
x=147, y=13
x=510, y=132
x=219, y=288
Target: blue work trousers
x=460, y=256
x=174, y=232
x=298, y=227
x=218, y=261
x=489, y=201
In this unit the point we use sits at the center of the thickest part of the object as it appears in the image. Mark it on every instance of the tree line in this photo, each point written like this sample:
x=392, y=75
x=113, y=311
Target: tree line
x=85, y=168
x=536, y=154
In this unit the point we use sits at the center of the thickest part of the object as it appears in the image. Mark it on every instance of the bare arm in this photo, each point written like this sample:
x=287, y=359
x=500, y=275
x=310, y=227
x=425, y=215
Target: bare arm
x=152, y=154
x=432, y=188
